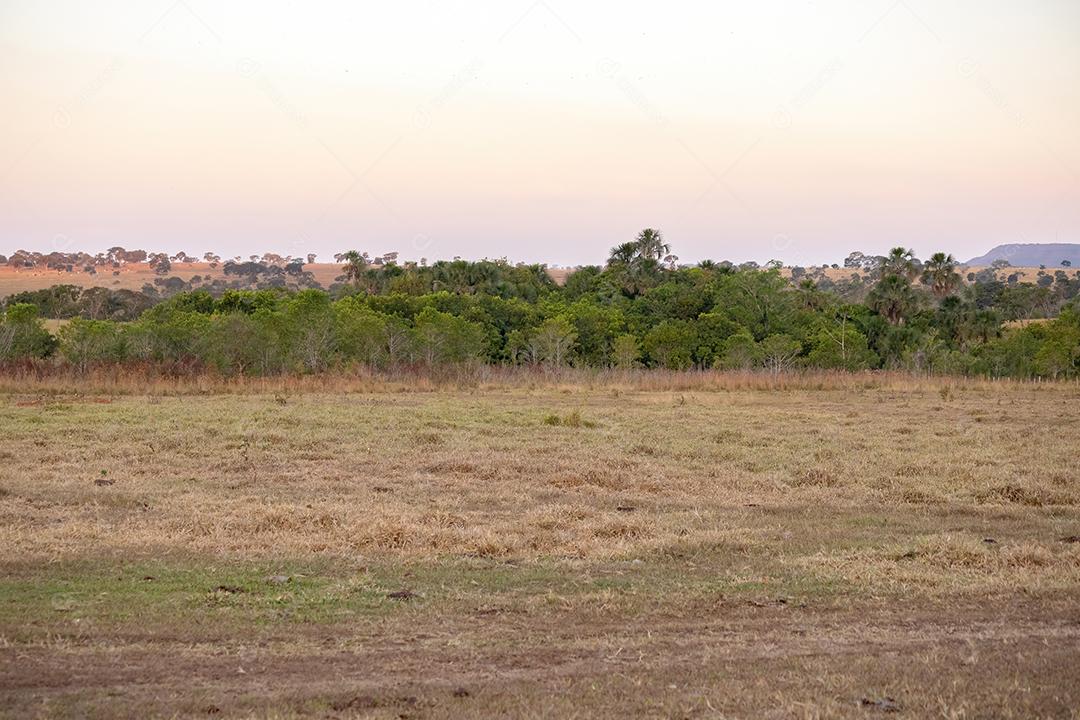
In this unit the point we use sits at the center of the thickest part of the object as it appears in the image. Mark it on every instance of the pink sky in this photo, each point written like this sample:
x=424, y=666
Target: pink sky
x=540, y=131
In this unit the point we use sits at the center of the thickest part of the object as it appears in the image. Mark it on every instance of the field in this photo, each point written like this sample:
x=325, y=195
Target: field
x=128, y=277
x=830, y=547
x=136, y=275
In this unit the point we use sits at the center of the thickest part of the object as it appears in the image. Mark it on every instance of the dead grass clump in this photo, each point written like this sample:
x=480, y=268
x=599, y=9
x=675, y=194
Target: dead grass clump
x=290, y=520
x=388, y=534
x=1026, y=555
x=1014, y=494
x=619, y=529
x=915, y=496
x=600, y=477
x=912, y=470
x=442, y=519
x=557, y=517
x=489, y=544
x=428, y=438
x=950, y=552
x=1058, y=478
x=452, y=466
x=813, y=477
x=950, y=558
x=571, y=420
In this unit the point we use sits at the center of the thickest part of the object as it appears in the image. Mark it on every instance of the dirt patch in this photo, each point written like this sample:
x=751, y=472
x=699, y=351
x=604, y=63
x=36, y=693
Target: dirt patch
x=918, y=658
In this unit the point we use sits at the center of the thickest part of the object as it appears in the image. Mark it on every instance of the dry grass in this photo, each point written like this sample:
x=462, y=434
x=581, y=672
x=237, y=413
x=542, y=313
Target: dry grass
x=134, y=276
x=129, y=277
x=587, y=473
x=44, y=378
x=550, y=526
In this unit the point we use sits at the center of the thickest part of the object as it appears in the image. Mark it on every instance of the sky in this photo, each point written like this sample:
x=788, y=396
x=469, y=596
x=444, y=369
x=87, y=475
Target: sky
x=542, y=131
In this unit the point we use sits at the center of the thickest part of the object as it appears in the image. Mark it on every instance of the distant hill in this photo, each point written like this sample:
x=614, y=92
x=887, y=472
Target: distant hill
x=1032, y=254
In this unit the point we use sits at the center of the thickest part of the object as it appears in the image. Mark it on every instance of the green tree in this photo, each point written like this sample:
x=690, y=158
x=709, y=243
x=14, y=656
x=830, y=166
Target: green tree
x=650, y=245
x=625, y=352
x=940, y=274
x=86, y=342
x=310, y=331
x=900, y=262
x=671, y=344
x=760, y=301
x=740, y=352
x=23, y=335
x=361, y=331
x=779, y=352
x=893, y=299
x=839, y=344
x=442, y=338
x=553, y=342
x=356, y=265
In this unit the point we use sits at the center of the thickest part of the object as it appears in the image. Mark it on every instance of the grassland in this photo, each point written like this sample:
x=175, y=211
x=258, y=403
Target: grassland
x=563, y=549
x=135, y=275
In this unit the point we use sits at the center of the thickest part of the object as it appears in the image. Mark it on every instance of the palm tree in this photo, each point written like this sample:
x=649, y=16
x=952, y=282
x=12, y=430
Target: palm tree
x=985, y=324
x=893, y=299
x=623, y=254
x=900, y=262
x=651, y=245
x=355, y=265
x=940, y=274
x=809, y=297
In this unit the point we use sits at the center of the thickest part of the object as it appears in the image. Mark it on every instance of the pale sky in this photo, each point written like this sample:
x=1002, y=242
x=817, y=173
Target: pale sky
x=540, y=131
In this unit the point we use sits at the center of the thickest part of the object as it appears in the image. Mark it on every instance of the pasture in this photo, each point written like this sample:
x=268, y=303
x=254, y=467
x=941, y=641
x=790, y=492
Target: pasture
x=134, y=276
x=562, y=549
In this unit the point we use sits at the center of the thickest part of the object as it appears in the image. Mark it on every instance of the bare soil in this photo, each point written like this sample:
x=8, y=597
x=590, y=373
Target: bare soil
x=1001, y=657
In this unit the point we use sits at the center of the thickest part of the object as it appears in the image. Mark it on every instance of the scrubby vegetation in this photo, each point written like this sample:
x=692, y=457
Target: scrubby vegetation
x=641, y=310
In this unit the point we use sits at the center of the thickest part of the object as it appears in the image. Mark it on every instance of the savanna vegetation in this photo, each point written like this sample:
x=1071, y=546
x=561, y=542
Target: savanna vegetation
x=567, y=544
x=448, y=491
x=641, y=309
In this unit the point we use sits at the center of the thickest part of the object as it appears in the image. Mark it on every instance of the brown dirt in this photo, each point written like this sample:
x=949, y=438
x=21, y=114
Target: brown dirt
x=1004, y=657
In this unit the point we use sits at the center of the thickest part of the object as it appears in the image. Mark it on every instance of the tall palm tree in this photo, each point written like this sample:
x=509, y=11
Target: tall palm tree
x=940, y=274
x=893, y=299
x=623, y=254
x=355, y=265
x=809, y=297
x=651, y=245
x=900, y=261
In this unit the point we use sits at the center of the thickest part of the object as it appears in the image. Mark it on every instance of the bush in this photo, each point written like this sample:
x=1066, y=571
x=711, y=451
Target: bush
x=23, y=335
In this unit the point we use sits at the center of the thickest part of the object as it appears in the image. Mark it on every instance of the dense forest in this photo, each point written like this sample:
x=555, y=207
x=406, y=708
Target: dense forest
x=641, y=309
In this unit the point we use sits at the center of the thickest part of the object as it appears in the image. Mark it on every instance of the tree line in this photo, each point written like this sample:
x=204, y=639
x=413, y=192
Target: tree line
x=641, y=309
